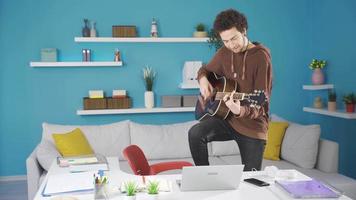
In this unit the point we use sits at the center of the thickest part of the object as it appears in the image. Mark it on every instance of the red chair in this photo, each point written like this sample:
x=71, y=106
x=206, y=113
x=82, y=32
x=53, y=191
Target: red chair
x=139, y=165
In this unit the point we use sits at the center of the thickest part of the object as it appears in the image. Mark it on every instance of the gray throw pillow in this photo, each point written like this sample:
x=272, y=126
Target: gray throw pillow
x=300, y=145
x=46, y=153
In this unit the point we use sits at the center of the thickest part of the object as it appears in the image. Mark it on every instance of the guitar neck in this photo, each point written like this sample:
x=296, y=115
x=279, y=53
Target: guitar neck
x=237, y=96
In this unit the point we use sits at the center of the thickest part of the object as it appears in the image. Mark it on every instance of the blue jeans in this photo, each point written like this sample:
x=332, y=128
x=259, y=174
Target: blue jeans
x=215, y=129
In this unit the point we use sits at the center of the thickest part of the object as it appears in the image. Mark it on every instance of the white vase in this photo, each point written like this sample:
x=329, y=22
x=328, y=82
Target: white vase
x=149, y=99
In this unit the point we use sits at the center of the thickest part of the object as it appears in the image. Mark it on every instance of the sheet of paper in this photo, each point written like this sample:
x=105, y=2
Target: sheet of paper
x=72, y=182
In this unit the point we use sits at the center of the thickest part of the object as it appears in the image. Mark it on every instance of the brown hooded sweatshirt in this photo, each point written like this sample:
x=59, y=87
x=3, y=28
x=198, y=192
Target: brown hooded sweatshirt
x=252, y=70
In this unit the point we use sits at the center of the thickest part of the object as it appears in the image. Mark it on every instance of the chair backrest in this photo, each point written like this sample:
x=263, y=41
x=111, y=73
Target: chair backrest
x=137, y=160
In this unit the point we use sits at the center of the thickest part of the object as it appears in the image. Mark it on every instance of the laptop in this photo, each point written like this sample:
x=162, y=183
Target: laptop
x=217, y=177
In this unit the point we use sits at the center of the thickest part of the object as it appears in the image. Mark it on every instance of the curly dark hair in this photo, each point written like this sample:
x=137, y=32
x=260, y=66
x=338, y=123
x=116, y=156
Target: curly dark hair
x=230, y=18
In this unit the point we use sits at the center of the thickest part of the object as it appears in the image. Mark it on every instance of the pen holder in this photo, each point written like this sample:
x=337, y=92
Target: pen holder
x=100, y=191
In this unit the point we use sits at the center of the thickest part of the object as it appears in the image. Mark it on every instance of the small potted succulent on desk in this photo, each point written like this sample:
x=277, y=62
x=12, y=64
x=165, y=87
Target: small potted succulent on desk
x=131, y=189
x=350, y=100
x=153, y=189
x=332, y=101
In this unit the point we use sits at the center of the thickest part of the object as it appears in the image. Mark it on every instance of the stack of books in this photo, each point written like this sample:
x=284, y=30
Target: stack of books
x=84, y=163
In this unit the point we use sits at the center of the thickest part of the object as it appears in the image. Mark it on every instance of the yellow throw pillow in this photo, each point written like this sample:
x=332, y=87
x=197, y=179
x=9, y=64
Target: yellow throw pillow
x=73, y=143
x=275, y=136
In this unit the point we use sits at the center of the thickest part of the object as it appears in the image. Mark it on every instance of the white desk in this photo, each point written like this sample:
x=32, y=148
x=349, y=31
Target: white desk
x=116, y=176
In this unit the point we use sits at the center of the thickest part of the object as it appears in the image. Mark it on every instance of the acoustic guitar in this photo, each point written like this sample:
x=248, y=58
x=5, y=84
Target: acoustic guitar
x=214, y=106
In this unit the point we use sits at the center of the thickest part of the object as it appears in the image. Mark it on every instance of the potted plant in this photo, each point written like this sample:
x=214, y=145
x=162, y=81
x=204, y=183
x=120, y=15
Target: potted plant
x=149, y=77
x=200, y=31
x=131, y=189
x=153, y=189
x=316, y=66
x=214, y=40
x=349, y=100
x=332, y=100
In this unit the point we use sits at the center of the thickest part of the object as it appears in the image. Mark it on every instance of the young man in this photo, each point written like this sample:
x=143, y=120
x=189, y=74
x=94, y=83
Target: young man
x=249, y=65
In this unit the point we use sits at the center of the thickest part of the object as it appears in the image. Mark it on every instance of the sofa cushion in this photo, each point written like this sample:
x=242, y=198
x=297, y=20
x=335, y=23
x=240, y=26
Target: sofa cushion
x=231, y=160
x=300, y=145
x=162, y=141
x=220, y=148
x=276, y=131
x=73, y=143
x=100, y=137
x=280, y=164
x=276, y=118
x=213, y=160
x=46, y=152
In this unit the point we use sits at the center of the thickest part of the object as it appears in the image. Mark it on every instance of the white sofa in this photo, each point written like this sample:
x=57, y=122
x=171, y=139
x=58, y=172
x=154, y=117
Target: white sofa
x=170, y=142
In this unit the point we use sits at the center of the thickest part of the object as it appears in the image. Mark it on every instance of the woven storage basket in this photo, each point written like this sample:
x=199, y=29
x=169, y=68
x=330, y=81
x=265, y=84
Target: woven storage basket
x=92, y=104
x=119, y=103
x=124, y=31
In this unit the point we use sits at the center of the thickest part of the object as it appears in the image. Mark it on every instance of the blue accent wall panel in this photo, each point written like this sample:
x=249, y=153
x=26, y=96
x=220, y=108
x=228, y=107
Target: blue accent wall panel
x=333, y=33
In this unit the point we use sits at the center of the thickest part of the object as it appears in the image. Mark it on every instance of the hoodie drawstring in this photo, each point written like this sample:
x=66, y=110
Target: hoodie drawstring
x=243, y=65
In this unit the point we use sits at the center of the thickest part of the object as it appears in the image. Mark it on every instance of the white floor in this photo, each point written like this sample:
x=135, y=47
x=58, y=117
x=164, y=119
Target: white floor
x=13, y=190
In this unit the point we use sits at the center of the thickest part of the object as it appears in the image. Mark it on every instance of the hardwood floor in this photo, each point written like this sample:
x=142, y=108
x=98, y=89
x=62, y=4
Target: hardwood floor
x=13, y=190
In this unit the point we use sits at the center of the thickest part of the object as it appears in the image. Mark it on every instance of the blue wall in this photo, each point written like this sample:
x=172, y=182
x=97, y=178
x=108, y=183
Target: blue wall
x=30, y=96
x=333, y=38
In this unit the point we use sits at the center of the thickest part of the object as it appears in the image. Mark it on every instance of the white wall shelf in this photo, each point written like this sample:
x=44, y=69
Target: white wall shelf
x=188, y=86
x=318, y=87
x=135, y=111
x=76, y=64
x=140, y=39
x=338, y=113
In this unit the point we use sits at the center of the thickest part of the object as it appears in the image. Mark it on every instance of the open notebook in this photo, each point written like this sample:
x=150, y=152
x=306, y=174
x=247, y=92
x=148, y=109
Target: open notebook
x=68, y=183
x=308, y=189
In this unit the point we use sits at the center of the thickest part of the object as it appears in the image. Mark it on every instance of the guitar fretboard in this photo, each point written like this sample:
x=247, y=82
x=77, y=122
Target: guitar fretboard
x=237, y=96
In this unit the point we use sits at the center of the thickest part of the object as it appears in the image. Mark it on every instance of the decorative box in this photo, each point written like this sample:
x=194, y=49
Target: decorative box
x=118, y=103
x=190, y=100
x=49, y=55
x=119, y=93
x=92, y=104
x=96, y=94
x=124, y=31
x=171, y=101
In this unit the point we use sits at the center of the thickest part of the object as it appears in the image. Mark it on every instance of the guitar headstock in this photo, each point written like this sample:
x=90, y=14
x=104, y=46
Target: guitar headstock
x=256, y=99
